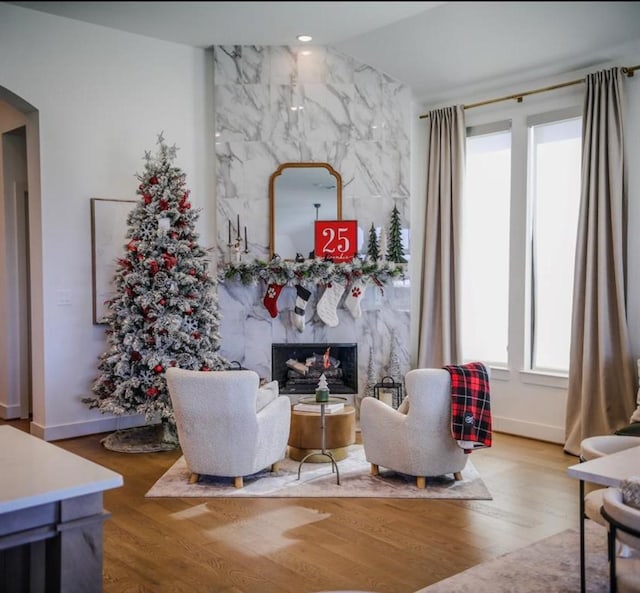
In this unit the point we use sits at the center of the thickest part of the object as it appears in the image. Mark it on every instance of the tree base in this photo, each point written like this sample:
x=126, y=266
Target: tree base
x=143, y=439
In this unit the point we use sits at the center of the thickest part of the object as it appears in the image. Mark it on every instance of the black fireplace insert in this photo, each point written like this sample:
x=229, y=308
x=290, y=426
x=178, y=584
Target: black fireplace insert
x=298, y=367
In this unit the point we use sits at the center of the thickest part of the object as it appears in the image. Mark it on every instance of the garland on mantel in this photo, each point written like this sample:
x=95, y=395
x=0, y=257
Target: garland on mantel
x=312, y=271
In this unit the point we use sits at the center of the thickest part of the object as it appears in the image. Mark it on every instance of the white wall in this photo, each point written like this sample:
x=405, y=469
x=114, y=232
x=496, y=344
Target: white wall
x=525, y=403
x=101, y=97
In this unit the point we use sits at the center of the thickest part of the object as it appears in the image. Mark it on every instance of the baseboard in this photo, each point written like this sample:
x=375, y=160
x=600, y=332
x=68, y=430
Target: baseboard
x=532, y=430
x=78, y=429
x=10, y=412
x=541, y=432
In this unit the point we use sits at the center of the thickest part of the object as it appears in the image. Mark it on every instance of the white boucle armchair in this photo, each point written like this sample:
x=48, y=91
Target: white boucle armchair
x=416, y=439
x=227, y=425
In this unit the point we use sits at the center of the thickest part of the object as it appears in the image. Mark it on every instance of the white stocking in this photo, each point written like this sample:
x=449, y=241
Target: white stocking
x=328, y=303
x=355, y=292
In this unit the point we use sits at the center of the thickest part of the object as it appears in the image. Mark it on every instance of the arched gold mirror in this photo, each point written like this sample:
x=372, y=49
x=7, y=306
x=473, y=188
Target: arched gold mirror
x=299, y=194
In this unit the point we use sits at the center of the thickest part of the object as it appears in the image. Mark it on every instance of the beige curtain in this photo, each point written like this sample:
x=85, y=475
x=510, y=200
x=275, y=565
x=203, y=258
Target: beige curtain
x=438, y=325
x=601, y=380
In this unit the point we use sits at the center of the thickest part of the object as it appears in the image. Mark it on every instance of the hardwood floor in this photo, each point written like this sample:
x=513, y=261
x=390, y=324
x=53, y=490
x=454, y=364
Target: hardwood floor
x=307, y=545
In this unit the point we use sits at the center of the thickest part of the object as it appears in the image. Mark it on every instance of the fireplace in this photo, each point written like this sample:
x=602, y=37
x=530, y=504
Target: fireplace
x=297, y=367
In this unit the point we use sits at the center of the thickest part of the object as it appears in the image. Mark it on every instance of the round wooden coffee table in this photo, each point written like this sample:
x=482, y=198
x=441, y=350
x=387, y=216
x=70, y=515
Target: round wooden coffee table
x=305, y=434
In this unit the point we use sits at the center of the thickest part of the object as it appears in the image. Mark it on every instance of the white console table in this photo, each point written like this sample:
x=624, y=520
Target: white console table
x=51, y=516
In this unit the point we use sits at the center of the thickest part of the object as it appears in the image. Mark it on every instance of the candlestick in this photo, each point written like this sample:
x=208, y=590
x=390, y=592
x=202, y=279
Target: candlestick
x=229, y=232
x=238, y=227
x=245, y=240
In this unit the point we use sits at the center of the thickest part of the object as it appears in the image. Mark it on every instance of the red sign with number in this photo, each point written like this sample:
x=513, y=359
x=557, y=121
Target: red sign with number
x=336, y=240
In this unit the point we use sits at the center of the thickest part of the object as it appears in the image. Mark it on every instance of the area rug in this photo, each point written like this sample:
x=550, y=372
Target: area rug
x=318, y=481
x=551, y=565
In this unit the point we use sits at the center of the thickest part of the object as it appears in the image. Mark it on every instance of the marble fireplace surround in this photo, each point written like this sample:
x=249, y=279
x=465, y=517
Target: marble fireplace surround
x=381, y=332
x=355, y=118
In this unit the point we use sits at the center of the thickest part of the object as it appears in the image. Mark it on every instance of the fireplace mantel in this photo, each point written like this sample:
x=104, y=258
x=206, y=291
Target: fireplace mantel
x=312, y=271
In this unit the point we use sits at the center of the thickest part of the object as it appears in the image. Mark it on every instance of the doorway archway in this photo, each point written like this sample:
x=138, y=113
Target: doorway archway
x=21, y=327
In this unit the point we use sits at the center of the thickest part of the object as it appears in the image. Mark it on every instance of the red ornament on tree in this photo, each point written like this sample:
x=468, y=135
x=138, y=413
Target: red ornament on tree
x=158, y=368
x=169, y=260
x=183, y=204
x=152, y=392
x=123, y=263
x=153, y=180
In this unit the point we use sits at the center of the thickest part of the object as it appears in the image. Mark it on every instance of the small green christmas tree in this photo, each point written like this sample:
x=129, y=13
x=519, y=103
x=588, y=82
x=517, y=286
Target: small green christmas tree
x=322, y=391
x=395, y=252
x=165, y=312
x=373, y=250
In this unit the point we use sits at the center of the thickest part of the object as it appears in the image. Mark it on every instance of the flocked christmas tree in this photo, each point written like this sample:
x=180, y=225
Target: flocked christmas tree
x=395, y=251
x=371, y=374
x=373, y=250
x=165, y=312
x=393, y=366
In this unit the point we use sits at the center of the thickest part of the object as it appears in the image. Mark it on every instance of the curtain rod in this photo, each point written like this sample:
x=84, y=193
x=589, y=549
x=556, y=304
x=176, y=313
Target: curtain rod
x=629, y=71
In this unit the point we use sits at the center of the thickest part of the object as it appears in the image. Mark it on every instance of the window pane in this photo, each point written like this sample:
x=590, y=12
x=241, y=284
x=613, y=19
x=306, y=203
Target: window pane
x=555, y=198
x=484, y=274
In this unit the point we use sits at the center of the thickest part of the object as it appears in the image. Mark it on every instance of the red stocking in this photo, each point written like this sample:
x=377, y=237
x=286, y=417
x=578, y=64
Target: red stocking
x=271, y=298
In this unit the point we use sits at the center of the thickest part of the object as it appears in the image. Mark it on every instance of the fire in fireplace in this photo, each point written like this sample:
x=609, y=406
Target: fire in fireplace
x=297, y=367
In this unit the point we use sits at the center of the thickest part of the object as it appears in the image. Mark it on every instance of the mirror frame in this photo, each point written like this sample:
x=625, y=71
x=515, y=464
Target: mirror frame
x=272, y=195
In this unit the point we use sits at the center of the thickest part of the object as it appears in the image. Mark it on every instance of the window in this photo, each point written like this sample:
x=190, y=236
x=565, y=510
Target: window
x=484, y=303
x=518, y=241
x=554, y=200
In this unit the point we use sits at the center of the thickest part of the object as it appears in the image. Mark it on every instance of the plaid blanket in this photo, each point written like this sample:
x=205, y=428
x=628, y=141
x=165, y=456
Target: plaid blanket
x=470, y=405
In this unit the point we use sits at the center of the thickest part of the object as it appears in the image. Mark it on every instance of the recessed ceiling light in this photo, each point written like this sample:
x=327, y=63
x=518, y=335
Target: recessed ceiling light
x=304, y=38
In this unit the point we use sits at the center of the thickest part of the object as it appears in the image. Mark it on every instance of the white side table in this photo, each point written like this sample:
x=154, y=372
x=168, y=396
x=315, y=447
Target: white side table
x=323, y=435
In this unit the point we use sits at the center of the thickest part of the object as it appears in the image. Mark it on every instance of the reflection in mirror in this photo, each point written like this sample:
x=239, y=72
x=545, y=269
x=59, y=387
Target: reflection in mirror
x=299, y=194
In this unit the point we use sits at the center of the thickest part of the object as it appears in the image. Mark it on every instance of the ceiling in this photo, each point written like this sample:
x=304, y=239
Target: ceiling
x=439, y=49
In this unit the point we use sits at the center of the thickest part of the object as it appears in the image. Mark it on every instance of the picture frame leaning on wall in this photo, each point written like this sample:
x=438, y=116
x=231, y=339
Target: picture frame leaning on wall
x=108, y=238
